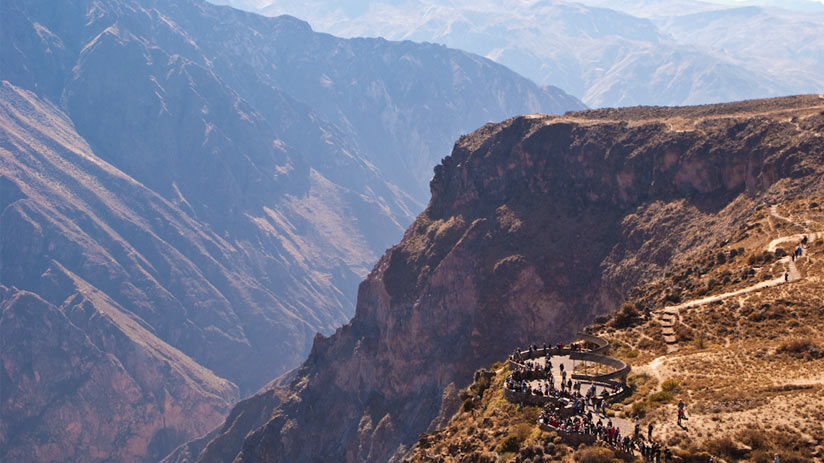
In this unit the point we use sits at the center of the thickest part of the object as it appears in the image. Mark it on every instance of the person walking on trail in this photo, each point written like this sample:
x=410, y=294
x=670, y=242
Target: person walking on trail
x=649, y=432
x=637, y=427
x=786, y=277
x=680, y=411
x=777, y=460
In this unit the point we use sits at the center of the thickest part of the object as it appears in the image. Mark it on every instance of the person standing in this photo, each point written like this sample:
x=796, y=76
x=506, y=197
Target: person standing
x=649, y=432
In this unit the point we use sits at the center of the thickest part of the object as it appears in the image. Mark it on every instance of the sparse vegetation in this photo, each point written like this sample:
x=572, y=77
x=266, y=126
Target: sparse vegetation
x=662, y=397
x=625, y=317
x=797, y=346
x=671, y=385
x=595, y=455
x=747, y=370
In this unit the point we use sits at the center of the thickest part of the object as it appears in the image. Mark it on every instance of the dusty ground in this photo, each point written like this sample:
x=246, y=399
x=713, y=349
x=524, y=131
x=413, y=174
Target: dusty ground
x=750, y=368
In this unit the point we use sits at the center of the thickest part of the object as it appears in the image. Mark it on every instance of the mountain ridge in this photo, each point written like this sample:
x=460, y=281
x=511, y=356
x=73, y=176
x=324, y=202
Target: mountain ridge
x=606, y=53
x=524, y=215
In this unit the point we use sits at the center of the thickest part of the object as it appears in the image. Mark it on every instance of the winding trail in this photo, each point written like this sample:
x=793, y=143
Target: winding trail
x=668, y=316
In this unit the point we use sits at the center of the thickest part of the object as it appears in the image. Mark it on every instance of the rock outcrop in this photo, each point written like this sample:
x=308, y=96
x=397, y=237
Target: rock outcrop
x=536, y=225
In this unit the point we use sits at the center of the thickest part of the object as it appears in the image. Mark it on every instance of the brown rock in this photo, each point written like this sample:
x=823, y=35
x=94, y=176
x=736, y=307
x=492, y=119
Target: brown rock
x=536, y=226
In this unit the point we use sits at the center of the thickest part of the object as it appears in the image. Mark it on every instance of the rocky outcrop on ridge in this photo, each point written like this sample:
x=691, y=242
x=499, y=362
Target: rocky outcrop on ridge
x=536, y=225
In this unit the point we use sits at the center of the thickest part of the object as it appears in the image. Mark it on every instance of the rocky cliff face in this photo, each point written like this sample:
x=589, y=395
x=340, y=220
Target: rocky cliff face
x=535, y=226
x=195, y=192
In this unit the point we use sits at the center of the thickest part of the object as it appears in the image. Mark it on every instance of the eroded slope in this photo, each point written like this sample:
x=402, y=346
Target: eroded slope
x=536, y=226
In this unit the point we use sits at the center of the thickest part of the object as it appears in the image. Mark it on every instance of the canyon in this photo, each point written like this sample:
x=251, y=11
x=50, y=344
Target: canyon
x=189, y=194
x=536, y=226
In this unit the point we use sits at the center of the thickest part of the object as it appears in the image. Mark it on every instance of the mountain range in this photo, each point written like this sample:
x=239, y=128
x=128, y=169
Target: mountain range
x=190, y=193
x=606, y=53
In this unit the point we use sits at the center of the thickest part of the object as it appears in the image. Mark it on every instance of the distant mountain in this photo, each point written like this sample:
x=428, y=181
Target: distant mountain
x=189, y=194
x=618, y=53
x=85, y=342
x=780, y=44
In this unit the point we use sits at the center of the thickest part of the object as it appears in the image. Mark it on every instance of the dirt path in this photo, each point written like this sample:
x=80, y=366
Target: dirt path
x=653, y=368
x=670, y=315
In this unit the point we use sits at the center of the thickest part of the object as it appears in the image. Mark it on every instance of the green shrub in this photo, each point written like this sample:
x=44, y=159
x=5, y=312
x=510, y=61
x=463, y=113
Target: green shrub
x=727, y=448
x=483, y=384
x=594, y=454
x=468, y=405
x=639, y=408
x=670, y=385
x=662, y=397
x=511, y=444
x=625, y=316
x=797, y=346
x=754, y=437
x=692, y=456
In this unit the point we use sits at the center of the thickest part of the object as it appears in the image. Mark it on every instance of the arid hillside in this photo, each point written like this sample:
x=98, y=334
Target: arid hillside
x=536, y=226
x=746, y=359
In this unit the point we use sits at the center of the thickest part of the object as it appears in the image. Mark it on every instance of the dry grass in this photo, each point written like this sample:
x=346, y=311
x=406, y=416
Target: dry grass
x=493, y=430
x=747, y=367
x=744, y=361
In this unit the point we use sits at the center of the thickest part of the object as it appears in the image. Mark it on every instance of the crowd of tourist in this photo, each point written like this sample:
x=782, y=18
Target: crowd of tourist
x=518, y=355
x=528, y=370
x=608, y=434
x=572, y=410
x=536, y=378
